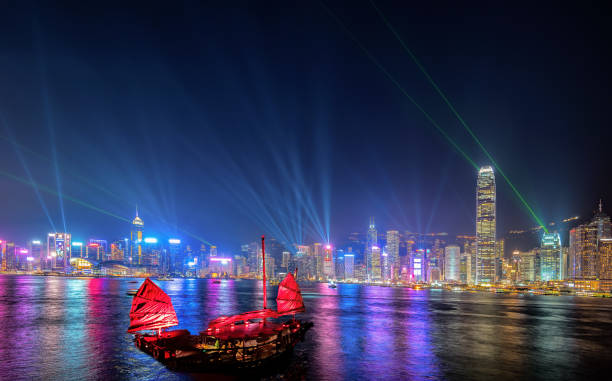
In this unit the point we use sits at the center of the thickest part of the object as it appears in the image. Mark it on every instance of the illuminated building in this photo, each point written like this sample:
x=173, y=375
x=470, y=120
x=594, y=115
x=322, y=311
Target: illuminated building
x=328, y=262
x=318, y=256
x=220, y=265
x=36, y=251
x=94, y=252
x=81, y=265
x=417, y=266
x=469, y=251
x=59, y=250
x=602, y=222
x=202, y=259
x=136, y=240
x=385, y=266
x=376, y=273
x=464, y=268
x=175, y=260
x=339, y=265
x=513, y=273
x=117, y=250
x=2, y=255
x=372, y=241
x=152, y=252
x=78, y=251
x=563, y=269
x=104, y=254
x=527, y=266
x=583, y=252
x=485, y=226
x=499, y=256
x=9, y=256
x=286, y=260
x=605, y=258
x=452, y=262
x=550, y=257
x=393, y=240
x=349, y=266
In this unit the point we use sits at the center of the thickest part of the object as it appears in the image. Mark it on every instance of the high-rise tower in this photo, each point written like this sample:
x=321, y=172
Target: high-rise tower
x=136, y=240
x=372, y=241
x=485, y=226
x=550, y=256
x=393, y=240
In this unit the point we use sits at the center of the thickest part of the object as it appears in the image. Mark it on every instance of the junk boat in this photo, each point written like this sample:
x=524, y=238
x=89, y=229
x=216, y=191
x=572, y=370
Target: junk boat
x=246, y=340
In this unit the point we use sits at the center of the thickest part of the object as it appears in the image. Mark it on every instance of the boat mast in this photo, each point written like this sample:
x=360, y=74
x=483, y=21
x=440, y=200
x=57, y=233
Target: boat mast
x=263, y=259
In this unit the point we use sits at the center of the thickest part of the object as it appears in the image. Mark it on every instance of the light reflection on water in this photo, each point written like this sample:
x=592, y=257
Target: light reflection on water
x=60, y=328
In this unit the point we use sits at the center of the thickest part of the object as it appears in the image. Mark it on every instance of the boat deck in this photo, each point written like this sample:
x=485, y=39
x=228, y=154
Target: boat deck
x=240, y=345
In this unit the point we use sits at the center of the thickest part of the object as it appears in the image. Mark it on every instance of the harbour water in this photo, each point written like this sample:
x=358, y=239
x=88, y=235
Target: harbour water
x=56, y=328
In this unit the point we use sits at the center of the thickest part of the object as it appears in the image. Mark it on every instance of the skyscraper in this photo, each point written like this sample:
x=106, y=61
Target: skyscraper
x=58, y=250
x=328, y=262
x=136, y=240
x=485, y=226
x=376, y=273
x=372, y=241
x=584, y=250
x=393, y=241
x=550, y=256
x=349, y=266
x=605, y=258
x=452, y=259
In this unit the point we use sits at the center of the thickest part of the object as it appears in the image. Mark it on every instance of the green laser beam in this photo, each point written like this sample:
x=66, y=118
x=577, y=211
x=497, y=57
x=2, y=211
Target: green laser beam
x=86, y=181
x=456, y=113
x=75, y=175
x=400, y=87
x=65, y=196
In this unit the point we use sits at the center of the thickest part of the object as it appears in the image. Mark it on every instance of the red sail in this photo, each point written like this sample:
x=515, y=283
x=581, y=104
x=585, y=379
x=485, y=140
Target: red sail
x=151, y=309
x=289, y=299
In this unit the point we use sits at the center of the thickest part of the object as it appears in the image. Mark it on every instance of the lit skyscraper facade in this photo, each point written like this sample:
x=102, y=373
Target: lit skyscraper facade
x=393, y=240
x=136, y=240
x=372, y=241
x=550, y=256
x=58, y=250
x=585, y=249
x=485, y=226
x=376, y=273
x=605, y=258
x=349, y=266
x=452, y=261
x=328, y=262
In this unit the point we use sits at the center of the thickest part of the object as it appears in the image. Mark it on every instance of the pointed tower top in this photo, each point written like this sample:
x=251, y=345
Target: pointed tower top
x=600, y=206
x=137, y=220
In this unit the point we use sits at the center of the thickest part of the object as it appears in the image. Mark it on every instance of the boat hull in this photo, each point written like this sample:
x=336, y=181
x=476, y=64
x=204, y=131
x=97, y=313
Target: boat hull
x=182, y=351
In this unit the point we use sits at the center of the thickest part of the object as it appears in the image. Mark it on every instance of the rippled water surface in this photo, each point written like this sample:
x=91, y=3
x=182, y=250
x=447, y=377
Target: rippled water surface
x=61, y=328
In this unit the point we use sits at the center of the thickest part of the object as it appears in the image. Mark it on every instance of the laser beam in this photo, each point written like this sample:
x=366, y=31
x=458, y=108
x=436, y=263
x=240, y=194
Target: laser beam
x=399, y=86
x=456, y=113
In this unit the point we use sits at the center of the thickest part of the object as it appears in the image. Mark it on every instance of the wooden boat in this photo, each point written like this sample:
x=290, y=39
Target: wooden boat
x=132, y=291
x=247, y=340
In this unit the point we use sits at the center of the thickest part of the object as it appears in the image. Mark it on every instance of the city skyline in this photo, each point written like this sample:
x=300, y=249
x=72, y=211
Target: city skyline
x=232, y=150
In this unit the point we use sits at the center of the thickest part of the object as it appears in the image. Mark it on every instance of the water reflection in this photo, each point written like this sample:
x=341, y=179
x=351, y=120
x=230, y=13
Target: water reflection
x=60, y=328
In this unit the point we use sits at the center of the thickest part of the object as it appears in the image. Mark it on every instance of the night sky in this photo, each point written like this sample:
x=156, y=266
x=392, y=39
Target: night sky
x=227, y=120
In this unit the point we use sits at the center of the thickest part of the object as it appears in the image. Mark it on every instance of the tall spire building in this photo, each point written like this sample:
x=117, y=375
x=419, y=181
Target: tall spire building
x=136, y=240
x=485, y=226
